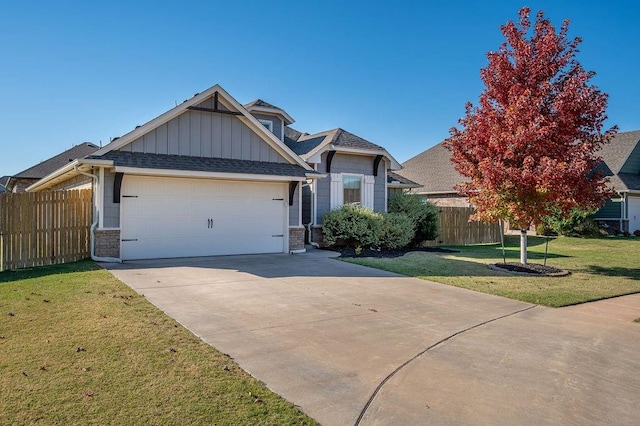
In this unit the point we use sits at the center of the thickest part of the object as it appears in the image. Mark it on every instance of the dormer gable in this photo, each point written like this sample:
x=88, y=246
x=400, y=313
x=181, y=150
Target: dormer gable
x=272, y=117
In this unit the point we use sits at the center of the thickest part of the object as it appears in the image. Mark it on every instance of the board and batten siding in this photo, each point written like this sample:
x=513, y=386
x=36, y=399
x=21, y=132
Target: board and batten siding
x=111, y=210
x=612, y=209
x=632, y=165
x=294, y=209
x=277, y=123
x=356, y=164
x=205, y=134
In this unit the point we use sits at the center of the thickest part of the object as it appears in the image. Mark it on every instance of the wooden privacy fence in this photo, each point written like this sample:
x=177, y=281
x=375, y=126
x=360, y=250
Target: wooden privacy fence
x=44, y=228
x=454, y=228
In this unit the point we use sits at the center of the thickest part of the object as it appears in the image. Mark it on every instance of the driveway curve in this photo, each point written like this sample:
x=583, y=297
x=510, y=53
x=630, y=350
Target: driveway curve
x=354, y=345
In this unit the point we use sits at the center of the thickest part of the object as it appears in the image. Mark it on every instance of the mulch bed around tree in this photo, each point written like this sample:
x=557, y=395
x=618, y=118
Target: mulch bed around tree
x=351, y=252
x=531, y=269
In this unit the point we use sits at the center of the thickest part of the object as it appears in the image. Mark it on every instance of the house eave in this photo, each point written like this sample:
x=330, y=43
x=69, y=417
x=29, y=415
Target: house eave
x=316, y=157
x=402, y=185
x=273, y=111
x=206, y=175
x=67, y=172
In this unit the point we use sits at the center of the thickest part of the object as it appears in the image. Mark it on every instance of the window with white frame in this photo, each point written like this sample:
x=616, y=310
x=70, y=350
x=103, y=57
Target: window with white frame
x=349, y=188
x=268, y=124
x=352, y=190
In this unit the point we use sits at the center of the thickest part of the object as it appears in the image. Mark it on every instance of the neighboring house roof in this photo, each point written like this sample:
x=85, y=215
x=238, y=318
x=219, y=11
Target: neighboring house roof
x=309, y=146
x=433, y=170
x=200, y=164
x=3, y=183
x=619, y=157
x=394, y=180
x=44, y=168
x=619, y=149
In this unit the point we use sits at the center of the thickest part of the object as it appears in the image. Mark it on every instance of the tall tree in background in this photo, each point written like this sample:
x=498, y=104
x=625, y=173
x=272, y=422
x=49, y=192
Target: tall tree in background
x=531, y=144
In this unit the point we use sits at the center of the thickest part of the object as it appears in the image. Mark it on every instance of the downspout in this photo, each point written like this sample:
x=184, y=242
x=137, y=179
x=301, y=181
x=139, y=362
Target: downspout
x=94, y=225
x=310, y=241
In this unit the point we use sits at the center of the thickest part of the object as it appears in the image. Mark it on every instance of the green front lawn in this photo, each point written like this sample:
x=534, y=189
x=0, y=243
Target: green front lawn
x=600, y=268
x=79, y=347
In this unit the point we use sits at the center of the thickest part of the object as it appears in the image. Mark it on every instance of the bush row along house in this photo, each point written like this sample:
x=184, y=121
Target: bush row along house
x=214, y=177
x=434, y=171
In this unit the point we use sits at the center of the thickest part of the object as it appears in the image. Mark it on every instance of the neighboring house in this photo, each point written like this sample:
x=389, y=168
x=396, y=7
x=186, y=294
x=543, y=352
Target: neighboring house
x=22, y=180
x=214, y=177
x=3, y=183
x=621, y=163
x=434, y=171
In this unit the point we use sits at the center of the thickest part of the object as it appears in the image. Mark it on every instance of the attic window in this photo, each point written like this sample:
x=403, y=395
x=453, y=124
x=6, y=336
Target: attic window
x=268, y=124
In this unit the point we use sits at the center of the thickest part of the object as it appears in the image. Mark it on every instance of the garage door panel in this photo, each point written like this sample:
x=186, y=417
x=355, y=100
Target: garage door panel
x=174, y=217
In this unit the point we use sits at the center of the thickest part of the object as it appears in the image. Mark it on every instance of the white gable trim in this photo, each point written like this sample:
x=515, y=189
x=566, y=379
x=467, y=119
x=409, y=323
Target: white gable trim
x=272, y=111
x=329, y=136
x=317, y=156
x=229, y=102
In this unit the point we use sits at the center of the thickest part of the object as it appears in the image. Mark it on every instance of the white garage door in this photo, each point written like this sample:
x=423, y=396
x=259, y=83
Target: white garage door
x=634, y=213
x=176, y=217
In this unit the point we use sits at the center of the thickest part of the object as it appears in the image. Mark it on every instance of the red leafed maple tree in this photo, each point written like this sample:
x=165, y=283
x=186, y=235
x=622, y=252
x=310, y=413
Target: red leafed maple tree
x=531, y=144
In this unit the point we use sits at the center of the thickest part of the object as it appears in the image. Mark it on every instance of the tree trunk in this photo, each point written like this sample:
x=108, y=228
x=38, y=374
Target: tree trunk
x=523, y=246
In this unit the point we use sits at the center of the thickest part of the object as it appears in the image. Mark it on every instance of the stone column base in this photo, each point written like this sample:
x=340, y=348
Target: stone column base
x=316, y=235
x=107, y=243
x=296, y=239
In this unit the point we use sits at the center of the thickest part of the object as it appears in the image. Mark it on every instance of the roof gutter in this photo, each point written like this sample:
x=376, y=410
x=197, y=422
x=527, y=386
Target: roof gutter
x=71, y=167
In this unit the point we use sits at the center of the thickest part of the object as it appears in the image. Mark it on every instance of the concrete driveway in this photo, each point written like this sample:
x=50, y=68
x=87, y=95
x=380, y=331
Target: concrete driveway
x=353, y=345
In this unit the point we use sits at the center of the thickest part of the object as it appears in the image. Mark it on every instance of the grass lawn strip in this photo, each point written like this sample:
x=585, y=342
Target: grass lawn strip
x=79, y=346
x=600, y=268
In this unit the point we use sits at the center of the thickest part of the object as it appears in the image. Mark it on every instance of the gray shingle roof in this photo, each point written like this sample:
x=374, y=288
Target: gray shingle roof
x=202, y=164
x=349, y=140
x=54, y=163
x=303, y=143
x=292, y=134
x=433, y=170
x=625, y=181
x=260, y=103
x=616, y=152
x=394, y=178
x=3, y=182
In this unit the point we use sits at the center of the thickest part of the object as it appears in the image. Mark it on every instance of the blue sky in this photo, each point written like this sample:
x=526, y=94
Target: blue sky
x=396, y=73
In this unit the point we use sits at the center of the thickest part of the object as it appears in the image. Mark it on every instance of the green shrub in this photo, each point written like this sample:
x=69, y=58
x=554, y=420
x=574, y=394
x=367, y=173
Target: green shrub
x=543, y=229
x=351, y=226
x=577, y=224
x=423, y=215
x=396, y=231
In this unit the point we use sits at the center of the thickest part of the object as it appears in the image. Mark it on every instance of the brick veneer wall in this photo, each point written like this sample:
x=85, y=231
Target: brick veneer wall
x=316, y=235
x=107, y=243
x=296, y=238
